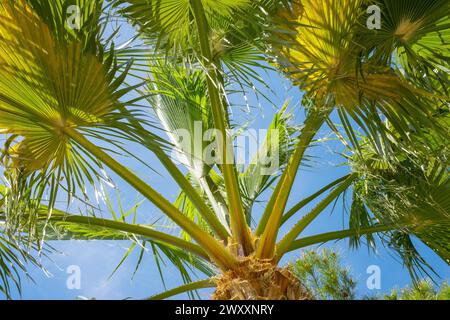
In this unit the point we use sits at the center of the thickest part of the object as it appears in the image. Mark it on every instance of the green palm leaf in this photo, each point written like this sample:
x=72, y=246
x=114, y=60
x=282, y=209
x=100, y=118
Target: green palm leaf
x=334, y=62
x=417, y=32
x=270, y=160
x=180, y=100
x=52, y=78
x=411, y=188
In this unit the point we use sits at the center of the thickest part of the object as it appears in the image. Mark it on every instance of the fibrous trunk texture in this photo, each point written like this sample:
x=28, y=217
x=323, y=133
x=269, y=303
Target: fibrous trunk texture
x=259, y=280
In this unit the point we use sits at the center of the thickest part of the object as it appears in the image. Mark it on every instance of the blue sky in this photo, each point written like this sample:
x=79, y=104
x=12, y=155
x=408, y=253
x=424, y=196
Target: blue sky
x=97, y=259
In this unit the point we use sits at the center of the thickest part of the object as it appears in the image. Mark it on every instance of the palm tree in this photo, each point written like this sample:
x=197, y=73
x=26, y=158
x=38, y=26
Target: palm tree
x=69, y=107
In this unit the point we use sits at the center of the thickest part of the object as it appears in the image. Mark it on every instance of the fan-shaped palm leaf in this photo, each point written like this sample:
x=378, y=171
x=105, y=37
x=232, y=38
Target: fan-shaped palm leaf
x=46, y=82
x=416, y=33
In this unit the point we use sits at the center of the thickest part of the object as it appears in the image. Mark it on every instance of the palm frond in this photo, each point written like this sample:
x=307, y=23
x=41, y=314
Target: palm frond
x=52, y=77
x=334, y=62
x=184, y=204
x=15, y=259
x=180, y=100
x=208, y=283
x=271, y=158
x=411, y=187
x=415, y=34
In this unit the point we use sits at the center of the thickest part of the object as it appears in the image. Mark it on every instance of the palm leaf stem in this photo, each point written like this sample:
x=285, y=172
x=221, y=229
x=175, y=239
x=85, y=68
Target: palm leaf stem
x=271, y=219
x=338, y=235
x=297, y=207
x=208, y=283
x=215, y=199
x=217, y=226
x=239, y=228
x=213, y=247
x=287, y=240
x=130, y=229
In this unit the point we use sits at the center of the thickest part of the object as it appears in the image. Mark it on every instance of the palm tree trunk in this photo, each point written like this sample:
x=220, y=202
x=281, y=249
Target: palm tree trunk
x=260, y=280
